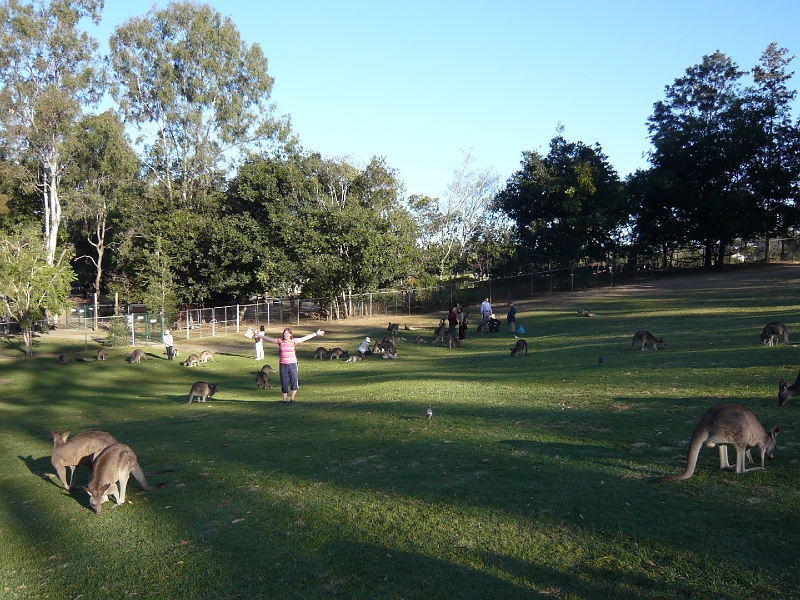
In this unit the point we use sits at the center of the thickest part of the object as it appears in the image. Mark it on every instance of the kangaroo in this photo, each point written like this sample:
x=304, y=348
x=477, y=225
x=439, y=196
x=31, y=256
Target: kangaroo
x=728, y=424
x=206, y=356
x=62, y=359
x=645, y=338
x=393, y=327
x=192, y=361
x=262, y=381
x=112, y=468
x=136, y=356
x=440, y=332
x=408, y=327
x=771, y=332
x=321, y=353
x=419, y=340
x=267, y=369
x=392, y=355
x=102, y=354
x=520, y=347
x=338, y=353
x=481, y=327
x=354, y=358
x=786, y=391
x=452, y=342
x=78, y=451
x=386, y=347
x=202, y=390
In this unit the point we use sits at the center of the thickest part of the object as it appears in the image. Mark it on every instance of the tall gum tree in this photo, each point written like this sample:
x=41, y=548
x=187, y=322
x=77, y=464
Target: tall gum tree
x=196, y=92
x=48, y=72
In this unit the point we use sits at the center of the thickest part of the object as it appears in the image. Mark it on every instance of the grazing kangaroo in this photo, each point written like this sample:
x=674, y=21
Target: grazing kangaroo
x=80, y=450
x=786, y=391
x=355, y=358
x=267, y=369
x=202, y=390
x=136, y=356
x=645, y=338
x=440, y=332
x=321, y=353
x=419, y=340
x=728, y=424
x=112, y=468
x=520, y=347
x=338, y=353
x=205, y=356
x=393, y=327
x=385, y=346
x=452, y=342
x=772, y=331
x=262, y=381
x=192, y=361
x=102, y=354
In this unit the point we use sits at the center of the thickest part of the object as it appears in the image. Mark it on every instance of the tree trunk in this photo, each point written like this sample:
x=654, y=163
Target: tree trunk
x=27, y=337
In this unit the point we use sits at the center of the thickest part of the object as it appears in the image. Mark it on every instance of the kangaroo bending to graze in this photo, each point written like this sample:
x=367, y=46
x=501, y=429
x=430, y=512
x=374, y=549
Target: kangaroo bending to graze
x=205, y=356
x=786, y=391
x=321, y=352
x=385, y=346
x=80, y=450
x=202, y=390
x=646, y=338
x=772, y=331
x=262, y=381
x=338, y=353
x=728, y=424
x=136, y=356
x=102, y=354
x=520, y=347
x=419, y=340
x=192, y=361
x=112, y=468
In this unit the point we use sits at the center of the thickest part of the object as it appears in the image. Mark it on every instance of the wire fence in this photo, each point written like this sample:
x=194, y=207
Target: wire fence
x=140, y=327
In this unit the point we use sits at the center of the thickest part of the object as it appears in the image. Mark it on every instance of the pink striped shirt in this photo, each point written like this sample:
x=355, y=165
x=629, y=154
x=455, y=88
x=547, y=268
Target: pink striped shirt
x=288, y=355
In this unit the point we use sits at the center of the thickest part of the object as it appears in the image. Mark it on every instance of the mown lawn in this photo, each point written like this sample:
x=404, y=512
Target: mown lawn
x=529, y=481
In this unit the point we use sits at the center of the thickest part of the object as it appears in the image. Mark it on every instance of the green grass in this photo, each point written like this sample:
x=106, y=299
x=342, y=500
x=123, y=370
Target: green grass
x=530, y=481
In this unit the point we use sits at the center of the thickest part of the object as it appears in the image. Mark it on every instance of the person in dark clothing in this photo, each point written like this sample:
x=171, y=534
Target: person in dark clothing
x=511, y=317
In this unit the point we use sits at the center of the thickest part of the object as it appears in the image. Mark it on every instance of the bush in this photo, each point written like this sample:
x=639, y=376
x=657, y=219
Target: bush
x=117, y=332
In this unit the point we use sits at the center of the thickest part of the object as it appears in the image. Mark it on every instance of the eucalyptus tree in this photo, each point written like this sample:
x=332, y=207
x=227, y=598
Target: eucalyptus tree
x=102, y=175
x=31, y=284
x=703, y=136
x=774, y=170
x=48, y=72
x=198, y=94
x=567, y=205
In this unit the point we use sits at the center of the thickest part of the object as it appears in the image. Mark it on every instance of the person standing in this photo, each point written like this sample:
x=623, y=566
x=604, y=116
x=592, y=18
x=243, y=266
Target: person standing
x=452, y=321
x=486, y=310
x=288, y=360
x=511, y=317
x=259, y=343
x=168, y=341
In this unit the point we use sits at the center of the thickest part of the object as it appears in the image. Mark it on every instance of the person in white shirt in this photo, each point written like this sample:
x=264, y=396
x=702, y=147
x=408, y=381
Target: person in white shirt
x=364, y=347
x=259, y=343
x=168, y=343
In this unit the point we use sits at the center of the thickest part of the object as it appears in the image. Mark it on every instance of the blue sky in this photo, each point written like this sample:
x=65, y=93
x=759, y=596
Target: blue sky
x=418, y=82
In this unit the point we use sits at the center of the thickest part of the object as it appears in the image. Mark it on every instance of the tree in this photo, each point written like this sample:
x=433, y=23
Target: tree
x=774, y=171
x=101, y=175
x=568, y=205
x=703, y=136
x=197, y=93
x=48, y=71
x=30, y=284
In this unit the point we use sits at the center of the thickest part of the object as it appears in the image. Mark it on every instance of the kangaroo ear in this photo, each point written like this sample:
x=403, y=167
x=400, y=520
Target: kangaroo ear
x=782, y=384
x=775, y=430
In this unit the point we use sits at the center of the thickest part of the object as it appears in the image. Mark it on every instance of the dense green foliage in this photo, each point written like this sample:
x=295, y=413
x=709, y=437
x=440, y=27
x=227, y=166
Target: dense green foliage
x=530, y=480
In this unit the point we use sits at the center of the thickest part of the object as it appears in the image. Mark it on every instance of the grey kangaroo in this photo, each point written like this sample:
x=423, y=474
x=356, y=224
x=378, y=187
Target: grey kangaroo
x=205, y=356
x=78, y=451
x=112, y=468
x=202, y=391
x=520, y=347
x=786, y=391
x=262, y=381
x=645, y=338
x=102, y=354
x=355, y=358
x=728, y=424
x=453, y=342
x=267, y=369
x=192, y=361
x=440, y=332
x=338, y=353
x=772, y=331
x=135, y=356
x=321, y=352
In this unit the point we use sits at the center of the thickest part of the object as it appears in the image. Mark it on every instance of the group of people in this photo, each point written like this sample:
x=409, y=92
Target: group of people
x=492, y=322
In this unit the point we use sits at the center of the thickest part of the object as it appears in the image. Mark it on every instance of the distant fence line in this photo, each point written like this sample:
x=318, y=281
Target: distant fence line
x=196, y=323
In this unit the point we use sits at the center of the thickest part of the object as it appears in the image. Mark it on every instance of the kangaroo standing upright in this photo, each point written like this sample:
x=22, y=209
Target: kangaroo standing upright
x=114, y=464
x=78, y=451
x=772, y=331
x=727, y=424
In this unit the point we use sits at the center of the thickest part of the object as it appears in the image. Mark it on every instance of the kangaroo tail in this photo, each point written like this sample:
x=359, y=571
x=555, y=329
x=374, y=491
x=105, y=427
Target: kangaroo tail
x=691, y=459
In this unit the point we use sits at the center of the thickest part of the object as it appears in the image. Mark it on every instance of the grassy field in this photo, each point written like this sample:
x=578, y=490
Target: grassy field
x=530, y=480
